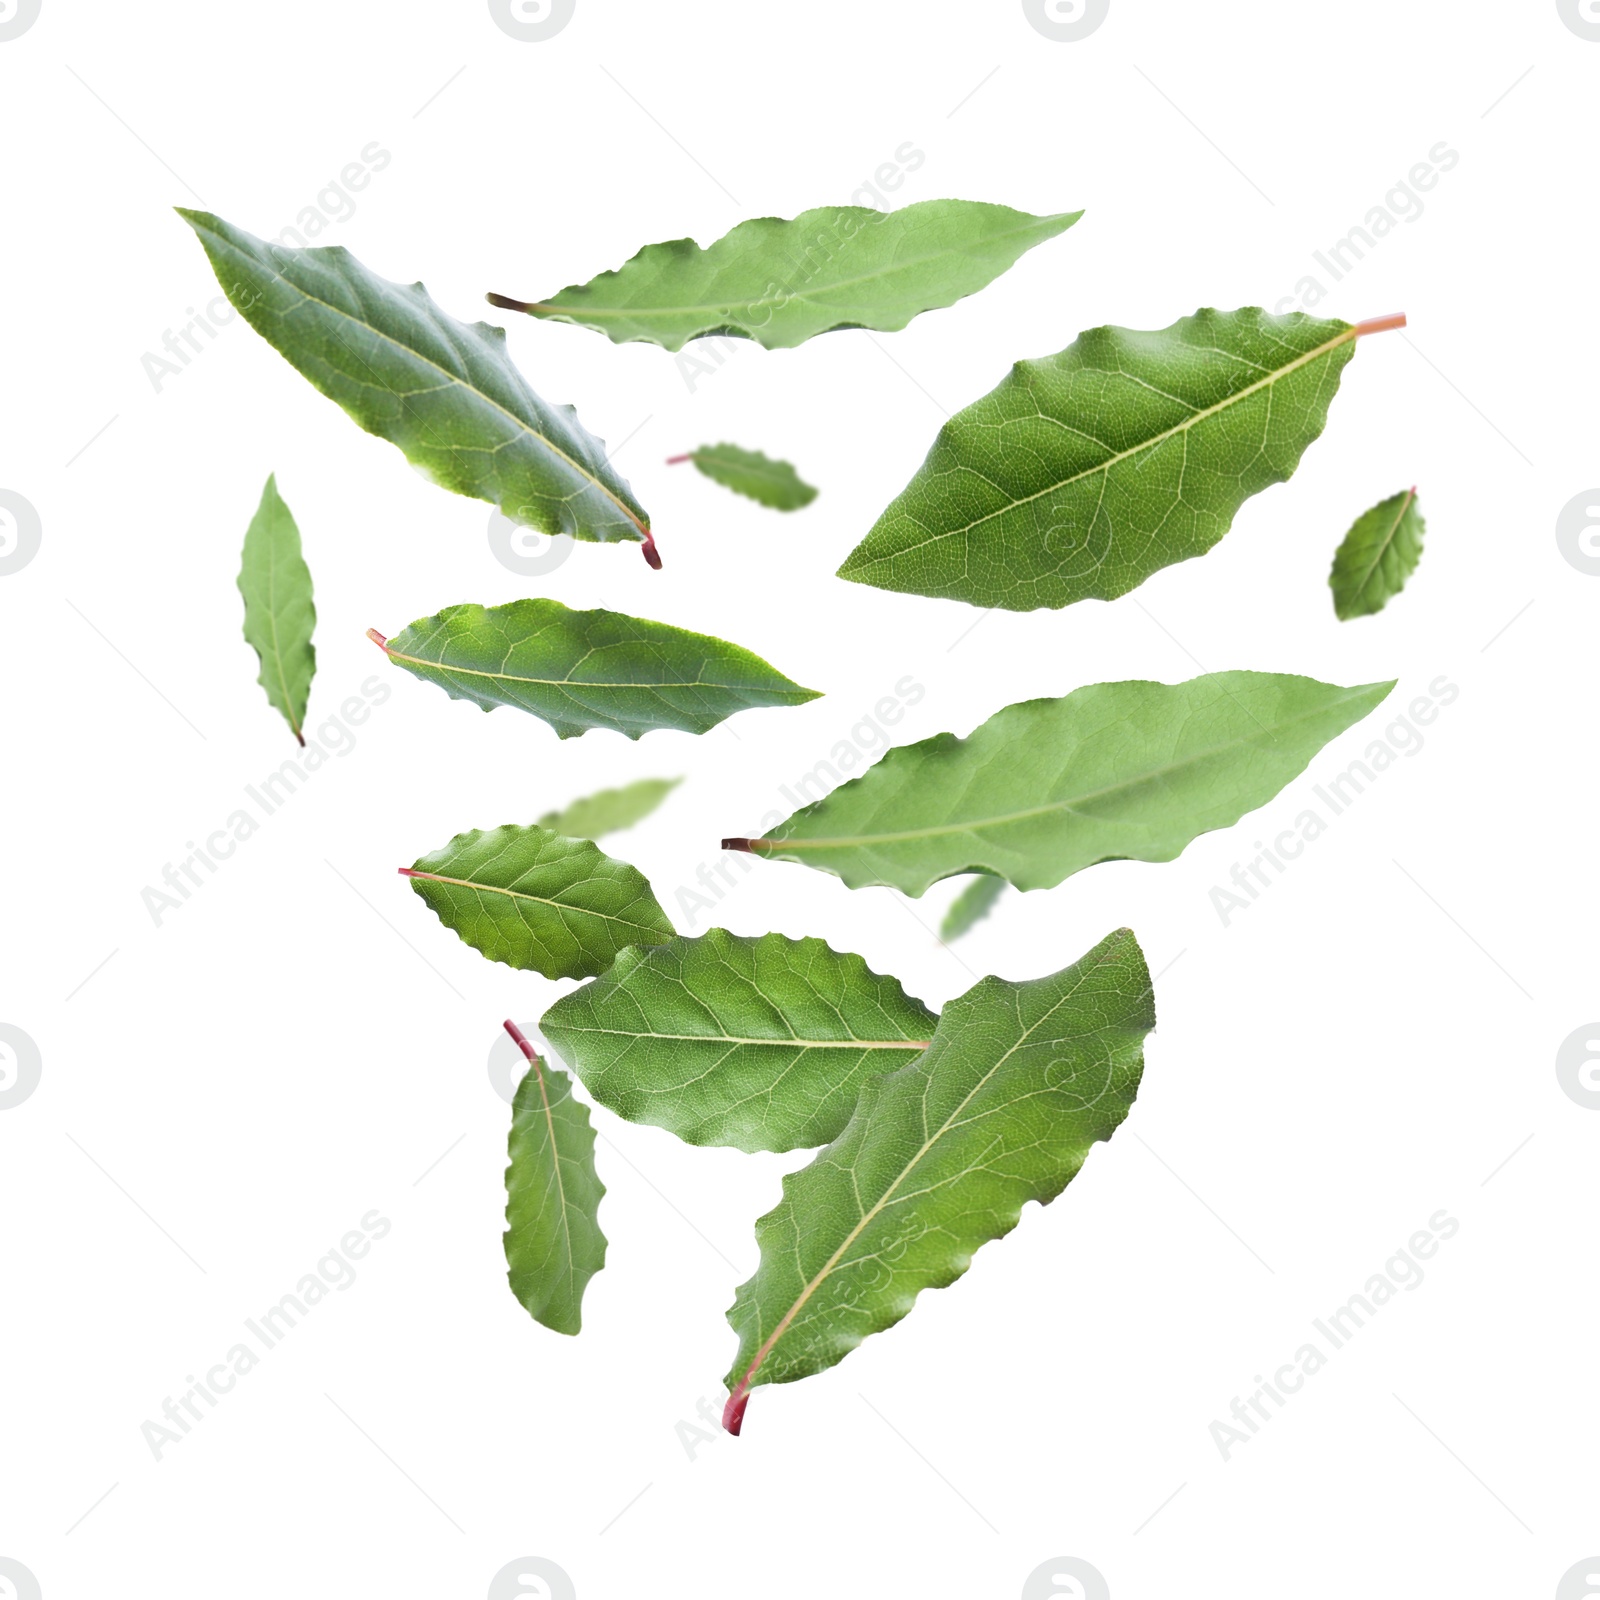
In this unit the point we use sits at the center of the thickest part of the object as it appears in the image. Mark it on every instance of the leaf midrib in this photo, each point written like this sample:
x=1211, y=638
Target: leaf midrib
x=537, y=899
x=1074, y=803
x=1150, y=444
x=916, y=1046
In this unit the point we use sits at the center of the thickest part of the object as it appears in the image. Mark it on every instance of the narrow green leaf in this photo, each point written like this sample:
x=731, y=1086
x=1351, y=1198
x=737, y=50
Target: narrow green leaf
x=1086, y=471
x=1048, y=787
x=611, y=810
x=554, y=1245
x=939, y=1157
x=748, y=472
x=587, y=669
x=444, y=391
x=279, y=615
x=534, y=899
x=762, y=1044
x=972, y=905
x=781, y=282
x=1378, y=554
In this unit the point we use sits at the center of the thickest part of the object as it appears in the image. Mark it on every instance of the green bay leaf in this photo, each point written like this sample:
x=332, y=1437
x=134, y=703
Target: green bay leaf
x=553, y=1241
x=1084, y=472
x=1047, y=787
x=971, y=906
x=610, y=810
x=748, y=472
x=279, y=613
x=537, y=900
x=939, y=1157
x=759, y=1043
x=578, y=670
x=781, y=282
x=1377, y=556
x=445, y=392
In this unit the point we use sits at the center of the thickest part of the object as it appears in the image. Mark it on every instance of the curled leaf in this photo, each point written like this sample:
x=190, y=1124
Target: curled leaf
x=782, y=282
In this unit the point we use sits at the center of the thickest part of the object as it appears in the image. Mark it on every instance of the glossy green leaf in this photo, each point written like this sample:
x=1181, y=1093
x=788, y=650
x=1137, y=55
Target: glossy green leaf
x=611, y=810
x=537, y=900
x=1086, y=471
x=554, y=1245
x=444, y=391
x=939, y=1157
x=781, y=282
x=588, y=669
x=762, y=1044
x=972, y=905
x=1048, y=787
x=279, y=614
x=1378, y=554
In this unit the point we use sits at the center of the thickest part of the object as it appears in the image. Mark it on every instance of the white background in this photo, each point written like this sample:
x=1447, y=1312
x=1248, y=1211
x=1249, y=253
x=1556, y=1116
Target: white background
x=225, y=1095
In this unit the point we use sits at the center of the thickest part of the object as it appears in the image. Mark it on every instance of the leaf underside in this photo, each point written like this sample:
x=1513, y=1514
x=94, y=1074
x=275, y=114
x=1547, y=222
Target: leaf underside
x=782, y=282
x=759, y=1043
x=1047, y=787
x=553, y=1241
x=578, y=670
x=1377, y=556
x=279, y=613
x=610, y=810
x=971, y=906
x=445, y=392
x=533, y=899
x=939, y=1157
x=771, y=483
x=1084, y=472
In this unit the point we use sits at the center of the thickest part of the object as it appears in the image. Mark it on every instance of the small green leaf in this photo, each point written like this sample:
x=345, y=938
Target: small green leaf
x=587, y=669
x=781, y=282
x=536, y=900
x=940, y=1156
x=972, y=905
x=1378, y=554
x=554, y=1245
x=762, y=1044
x=748, y=472
x=611, y=810
x=1047, y=787
x=444, y=391
x=1086, y=471
x=279, y=615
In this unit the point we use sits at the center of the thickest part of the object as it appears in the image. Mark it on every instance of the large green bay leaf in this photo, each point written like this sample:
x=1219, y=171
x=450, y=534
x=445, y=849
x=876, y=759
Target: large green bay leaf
x=445, y=392
x=939, y=1157
x=535, y=899
x=1084, y=472
x=759, y=1043
x=588, y=669
x=780, y=282
x=1047, y=787
x=553, y=1241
